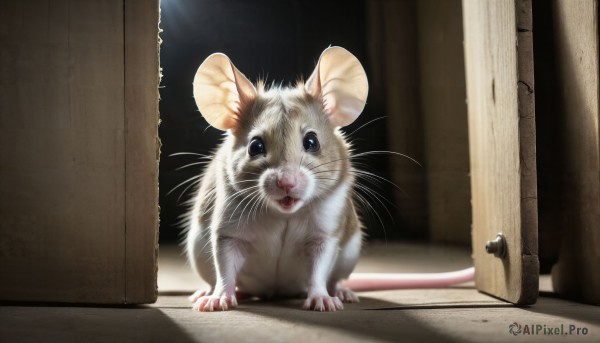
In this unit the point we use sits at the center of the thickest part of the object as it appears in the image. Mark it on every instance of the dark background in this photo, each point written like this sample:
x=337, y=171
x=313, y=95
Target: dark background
x=272, y=39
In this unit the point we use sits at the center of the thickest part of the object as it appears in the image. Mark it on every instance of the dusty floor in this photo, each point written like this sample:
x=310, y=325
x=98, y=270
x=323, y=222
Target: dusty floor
x=458, y=314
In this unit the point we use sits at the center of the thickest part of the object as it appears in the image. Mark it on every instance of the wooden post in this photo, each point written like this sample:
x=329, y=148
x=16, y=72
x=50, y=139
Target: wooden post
x=78, y=145
x=142, y=149
x=500, y=92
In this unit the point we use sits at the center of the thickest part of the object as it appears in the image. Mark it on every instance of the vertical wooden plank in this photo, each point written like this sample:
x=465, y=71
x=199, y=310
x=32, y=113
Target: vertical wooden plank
x=442, y=96
x=575, y=29
x=498, y=62
x=62, y=149
x=392, y=40
x=142, y=148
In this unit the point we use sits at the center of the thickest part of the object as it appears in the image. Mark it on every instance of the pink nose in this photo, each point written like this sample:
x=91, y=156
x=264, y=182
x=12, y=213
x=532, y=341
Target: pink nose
x=286, y=181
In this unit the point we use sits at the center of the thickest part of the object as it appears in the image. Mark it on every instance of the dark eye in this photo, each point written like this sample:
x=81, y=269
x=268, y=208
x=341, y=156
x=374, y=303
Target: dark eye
x=256, y=147
x=311, y=143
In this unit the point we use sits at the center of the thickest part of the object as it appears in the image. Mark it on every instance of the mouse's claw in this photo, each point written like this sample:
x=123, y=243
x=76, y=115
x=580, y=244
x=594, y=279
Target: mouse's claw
x=199, y=293
x=346, y=295
x=210, y=303
x=323, y=303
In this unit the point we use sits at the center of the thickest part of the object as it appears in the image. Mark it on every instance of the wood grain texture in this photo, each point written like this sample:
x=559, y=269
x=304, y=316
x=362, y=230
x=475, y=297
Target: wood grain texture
x=79, y=151
x=500, y=92
x=142, y=149
x=62, y=147
x=442, y=93
x=575, y=29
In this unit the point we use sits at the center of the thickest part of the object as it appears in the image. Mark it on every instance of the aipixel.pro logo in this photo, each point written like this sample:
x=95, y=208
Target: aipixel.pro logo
x=545, y=330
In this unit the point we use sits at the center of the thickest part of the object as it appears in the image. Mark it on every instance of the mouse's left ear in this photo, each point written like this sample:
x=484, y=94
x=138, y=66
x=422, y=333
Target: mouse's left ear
x=341, y=82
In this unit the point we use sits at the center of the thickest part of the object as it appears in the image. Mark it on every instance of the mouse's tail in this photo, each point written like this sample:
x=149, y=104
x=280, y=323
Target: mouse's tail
x=361, y=282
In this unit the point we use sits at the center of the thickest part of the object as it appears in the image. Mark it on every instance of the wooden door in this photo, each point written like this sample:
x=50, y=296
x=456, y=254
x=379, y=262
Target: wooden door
x=78, y=150
x=500, y=95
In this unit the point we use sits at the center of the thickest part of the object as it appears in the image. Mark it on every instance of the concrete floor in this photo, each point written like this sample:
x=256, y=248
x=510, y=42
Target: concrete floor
x=458, y=314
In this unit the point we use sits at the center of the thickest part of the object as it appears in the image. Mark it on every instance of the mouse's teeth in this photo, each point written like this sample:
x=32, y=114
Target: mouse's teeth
x=287, y=202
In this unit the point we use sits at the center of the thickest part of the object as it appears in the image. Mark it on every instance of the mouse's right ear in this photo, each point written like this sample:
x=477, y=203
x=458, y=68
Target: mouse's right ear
x=221, y=91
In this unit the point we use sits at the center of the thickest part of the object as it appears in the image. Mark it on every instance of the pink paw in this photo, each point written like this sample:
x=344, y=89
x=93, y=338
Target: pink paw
x=346, y=295
x=198, y=294
x=323, y=303
x=210, y=303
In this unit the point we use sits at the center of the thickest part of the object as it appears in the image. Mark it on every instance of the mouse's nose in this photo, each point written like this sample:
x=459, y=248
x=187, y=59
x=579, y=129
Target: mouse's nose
x=286, y=180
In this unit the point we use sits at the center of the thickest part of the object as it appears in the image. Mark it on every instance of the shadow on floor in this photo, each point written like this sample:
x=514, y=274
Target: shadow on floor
x=353, y=321
x=51, y=323
x=570, y=311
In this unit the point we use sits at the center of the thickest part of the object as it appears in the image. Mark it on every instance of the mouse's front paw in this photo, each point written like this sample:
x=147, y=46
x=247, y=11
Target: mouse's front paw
x=323, y=303
x=346, y=295
x=199, y=294
x=215, y=302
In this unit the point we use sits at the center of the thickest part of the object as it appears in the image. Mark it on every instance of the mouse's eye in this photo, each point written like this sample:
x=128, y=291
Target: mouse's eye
x=256, y=147
x=311, y=143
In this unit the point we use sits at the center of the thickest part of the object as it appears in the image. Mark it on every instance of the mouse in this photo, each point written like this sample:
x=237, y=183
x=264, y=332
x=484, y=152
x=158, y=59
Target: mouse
x=274, y=213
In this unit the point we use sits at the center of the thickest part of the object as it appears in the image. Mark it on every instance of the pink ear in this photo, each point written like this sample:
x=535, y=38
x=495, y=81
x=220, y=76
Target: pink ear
x=341, y=82
x=220, y=91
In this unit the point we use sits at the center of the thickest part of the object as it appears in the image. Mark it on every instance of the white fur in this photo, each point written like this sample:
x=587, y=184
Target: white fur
x=276, y=262
x=329, y=211
x=347, y=258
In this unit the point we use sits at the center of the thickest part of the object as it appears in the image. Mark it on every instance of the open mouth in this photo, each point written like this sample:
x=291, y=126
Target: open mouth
x=287, y=202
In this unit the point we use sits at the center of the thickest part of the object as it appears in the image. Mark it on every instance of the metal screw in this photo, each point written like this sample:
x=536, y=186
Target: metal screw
x=497, y=246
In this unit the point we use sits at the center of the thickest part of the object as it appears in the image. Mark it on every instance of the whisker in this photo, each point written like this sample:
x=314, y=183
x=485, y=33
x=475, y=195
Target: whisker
x=183, y=183
x=326, y=178
x=244, y=209
x=367, y=123
x=233, y=196
x=383, y=152
x=237, y=193
x=242, y=181
x=251, y=173
x=254, y=206
x=376, y=196
x=251, y=203
x=365, y=175
x=367, y=205
x=367, y=153
x=183, y=192
x=193, y=164
x=190, y=153
x=239, y=204
x=265, y=205
x=332, y=161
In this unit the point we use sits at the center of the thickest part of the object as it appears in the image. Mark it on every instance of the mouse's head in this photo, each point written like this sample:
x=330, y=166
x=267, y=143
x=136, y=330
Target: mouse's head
x=283, y=144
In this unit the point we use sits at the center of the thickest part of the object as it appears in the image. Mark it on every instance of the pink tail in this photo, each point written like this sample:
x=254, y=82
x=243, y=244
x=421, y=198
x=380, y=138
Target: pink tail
x=361, y=282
